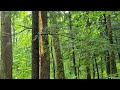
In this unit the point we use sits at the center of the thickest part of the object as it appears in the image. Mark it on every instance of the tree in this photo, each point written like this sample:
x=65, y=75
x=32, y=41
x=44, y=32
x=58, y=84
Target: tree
x=97, y=67
x=102, y=68
x=53, y=61
x=113, y=68
x=44, y=46
x=93, y=70
x=87, y=50
x=107, y=58
x=6, y=44
x=60, y=44
x=35, y=45
x=59, y=66
x=73, y=51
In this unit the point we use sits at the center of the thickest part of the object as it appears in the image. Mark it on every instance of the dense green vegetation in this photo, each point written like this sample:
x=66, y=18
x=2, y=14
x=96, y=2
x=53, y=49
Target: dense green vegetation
x=21, y=26
x=81, y=44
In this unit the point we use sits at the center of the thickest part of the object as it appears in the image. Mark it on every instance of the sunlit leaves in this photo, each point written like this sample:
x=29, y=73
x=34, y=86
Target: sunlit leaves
x=22, y=47
x=92, y=37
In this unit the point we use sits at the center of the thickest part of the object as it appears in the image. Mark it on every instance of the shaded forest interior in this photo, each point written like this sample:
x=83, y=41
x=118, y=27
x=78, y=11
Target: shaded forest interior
x=60, y=45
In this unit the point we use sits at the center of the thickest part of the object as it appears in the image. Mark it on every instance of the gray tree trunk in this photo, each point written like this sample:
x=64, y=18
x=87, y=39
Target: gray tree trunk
x=6, y=45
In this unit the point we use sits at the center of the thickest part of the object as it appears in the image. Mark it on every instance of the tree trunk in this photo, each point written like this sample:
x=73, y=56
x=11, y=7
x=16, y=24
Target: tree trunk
x=112, y=55
x=101, y=68
x=107, y=58
x=2, y=71
x=97, y=68
x=119, y=56
x=118, y=49
x=6, y=44
x=78, y=73
x=87, y=50
x=53, y=61
x=13, y=29
x=73, y=52
x=59, y=71
x=59, y=65
x=88, y=65
x=44, y=46
x=35, y=46
x=93, y=70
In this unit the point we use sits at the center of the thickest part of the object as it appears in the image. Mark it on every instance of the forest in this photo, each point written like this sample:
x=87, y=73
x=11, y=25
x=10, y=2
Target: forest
x=60, y=45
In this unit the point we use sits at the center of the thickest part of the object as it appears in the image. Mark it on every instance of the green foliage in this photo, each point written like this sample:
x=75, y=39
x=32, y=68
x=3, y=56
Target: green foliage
x=87, y=34
x=22, y=45
x=92, y=38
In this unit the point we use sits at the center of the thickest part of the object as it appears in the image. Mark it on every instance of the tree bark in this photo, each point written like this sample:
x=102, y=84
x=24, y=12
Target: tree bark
x=107, y=58
x=35, y=46
x=59, y=65
x=59, y=71
x=44, y=46
x=6, y=44
x=97, y=68
x=112, y=54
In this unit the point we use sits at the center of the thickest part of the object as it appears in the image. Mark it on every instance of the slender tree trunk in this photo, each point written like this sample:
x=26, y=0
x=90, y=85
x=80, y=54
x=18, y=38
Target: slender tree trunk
x=6, y=44
x=2, y=71
x=97, y=68
x=59, y=65
x=107, y=58
x=44, y=46
x=87, y=50
x=88, y=65
x=35, y=46
x=78, y=73
x=73, y=52
x=59, y=71
x=119, y=55
x=101, y=67
x=93, y=70
x=112, y=54
x=74, y=62
x=53, y=60
x=118, y=49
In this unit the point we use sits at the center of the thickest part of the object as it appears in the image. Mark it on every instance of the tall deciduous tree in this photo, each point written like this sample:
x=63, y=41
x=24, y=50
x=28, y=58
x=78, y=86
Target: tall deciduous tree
x=107, y=58
x=59, y=66
x=35, y=45
x=113, y=67
x=44, y=47
x=6, y=44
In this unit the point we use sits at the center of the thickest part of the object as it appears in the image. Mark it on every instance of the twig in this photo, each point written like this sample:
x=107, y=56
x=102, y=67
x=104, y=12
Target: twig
x=25, y=27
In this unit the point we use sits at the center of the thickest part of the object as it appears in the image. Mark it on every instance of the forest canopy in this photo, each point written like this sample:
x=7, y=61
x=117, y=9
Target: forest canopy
x=60, y=45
